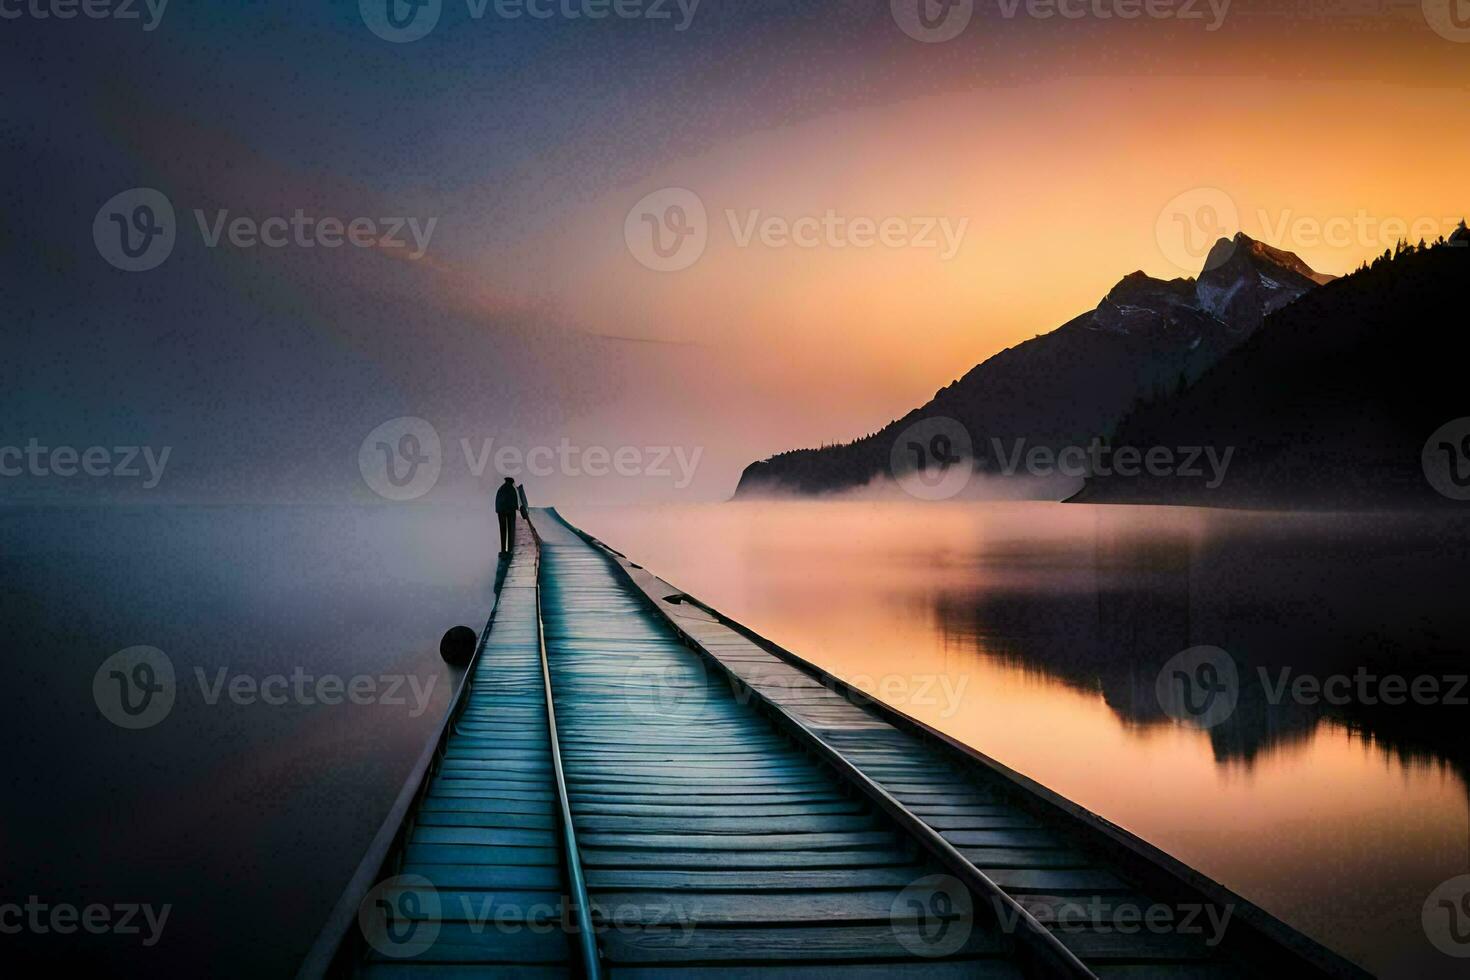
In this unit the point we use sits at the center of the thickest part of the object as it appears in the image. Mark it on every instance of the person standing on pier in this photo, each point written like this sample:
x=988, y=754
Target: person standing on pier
x=509, y=499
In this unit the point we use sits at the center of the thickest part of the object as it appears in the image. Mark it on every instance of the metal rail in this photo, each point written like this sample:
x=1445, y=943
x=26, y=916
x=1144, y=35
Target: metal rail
x=581, y=906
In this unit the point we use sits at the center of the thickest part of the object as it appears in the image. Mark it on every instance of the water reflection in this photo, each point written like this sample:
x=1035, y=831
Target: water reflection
x=1286, y=597
x=1049, y=626
x=245, y=815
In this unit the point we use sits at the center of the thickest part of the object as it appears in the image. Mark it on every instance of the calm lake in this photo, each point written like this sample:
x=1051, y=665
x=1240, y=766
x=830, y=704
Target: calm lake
x=1034, y=632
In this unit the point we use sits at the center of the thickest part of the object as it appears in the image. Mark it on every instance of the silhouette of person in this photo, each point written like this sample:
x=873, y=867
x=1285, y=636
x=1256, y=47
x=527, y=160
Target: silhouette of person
x=508, y=499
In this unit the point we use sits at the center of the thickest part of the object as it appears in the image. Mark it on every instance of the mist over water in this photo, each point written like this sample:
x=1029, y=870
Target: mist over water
x=1037, y=632
x=245, y=809
x=1034, y=632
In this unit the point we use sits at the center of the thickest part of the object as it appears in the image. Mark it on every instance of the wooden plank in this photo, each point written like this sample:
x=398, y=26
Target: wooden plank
x=775, y=945
x=951, y=969
x=784, y=879
x=764, y=908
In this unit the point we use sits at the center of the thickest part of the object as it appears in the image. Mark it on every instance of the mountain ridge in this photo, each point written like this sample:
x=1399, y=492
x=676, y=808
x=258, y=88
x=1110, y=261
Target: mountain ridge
x=1331, y=404
x=1072, y=384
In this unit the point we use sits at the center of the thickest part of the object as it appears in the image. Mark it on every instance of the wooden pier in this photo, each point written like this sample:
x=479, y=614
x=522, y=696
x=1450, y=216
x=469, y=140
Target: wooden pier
x=630, y=784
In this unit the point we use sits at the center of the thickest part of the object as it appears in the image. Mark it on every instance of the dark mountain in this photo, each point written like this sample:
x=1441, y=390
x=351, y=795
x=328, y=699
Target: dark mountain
x=1331, y=403
x=1067, y=387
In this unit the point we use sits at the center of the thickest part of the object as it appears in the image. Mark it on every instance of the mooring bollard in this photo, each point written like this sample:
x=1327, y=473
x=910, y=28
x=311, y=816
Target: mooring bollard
x=458, y=645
